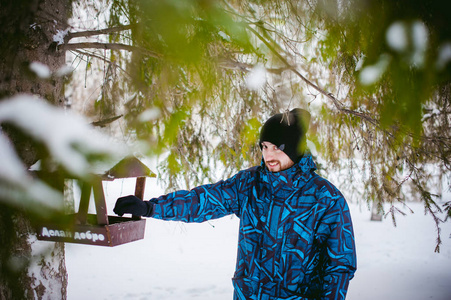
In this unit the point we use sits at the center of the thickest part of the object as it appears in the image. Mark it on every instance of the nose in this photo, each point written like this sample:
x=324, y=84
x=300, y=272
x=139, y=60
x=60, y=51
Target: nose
x=268, y=154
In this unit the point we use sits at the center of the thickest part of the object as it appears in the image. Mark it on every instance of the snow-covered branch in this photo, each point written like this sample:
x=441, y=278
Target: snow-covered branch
x=71, y=143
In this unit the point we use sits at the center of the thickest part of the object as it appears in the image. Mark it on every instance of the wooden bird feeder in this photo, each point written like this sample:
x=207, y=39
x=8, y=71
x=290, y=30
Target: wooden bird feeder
x=101, y=229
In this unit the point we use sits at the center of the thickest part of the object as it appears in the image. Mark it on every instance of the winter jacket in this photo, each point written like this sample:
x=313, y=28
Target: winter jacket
x=296, y=239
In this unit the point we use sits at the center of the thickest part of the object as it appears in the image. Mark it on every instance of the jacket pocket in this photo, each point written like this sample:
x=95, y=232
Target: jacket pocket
x=305, y=263
x=296, y=248
x=245, y=288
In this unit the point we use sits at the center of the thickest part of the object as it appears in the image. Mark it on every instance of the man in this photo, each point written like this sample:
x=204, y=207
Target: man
x=295, y=237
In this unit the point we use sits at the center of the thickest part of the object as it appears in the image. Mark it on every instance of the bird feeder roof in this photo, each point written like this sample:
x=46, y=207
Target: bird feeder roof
x=128, y=167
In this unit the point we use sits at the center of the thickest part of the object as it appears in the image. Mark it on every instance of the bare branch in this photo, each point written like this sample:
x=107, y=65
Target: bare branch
x=104, y=122
x=108, y=46
x=88, y=33
x=231, y=64
x=102, y=58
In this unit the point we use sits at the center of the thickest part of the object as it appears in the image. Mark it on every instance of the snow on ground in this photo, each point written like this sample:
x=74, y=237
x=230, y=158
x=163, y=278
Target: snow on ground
x=178, y=261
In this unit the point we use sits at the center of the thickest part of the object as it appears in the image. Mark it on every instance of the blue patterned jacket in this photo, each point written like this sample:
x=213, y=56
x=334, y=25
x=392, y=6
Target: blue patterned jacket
x=296, y=238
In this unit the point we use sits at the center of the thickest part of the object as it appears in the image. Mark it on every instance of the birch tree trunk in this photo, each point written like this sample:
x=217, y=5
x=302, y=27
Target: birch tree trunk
x=30, y=269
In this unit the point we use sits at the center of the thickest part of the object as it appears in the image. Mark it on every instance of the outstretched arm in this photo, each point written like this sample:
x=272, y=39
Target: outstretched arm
x=200, y=204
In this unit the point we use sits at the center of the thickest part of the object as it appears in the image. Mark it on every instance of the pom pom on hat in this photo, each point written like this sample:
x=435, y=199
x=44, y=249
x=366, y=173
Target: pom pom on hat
x=287, y=131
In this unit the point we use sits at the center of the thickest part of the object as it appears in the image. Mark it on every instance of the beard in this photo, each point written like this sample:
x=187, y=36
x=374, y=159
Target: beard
x=274, y=165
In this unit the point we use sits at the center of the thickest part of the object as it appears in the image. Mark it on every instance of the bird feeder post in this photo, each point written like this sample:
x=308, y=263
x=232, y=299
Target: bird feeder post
x=84, y=203
x=99, y=198
x=139, y=191
x=140, y=187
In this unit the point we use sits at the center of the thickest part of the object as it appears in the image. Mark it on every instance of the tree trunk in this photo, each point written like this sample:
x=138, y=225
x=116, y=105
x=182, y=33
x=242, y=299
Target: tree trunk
x=376, y=214
x=30, y=269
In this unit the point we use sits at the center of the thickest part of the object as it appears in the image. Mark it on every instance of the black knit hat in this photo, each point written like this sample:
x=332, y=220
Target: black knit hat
x=287, y=131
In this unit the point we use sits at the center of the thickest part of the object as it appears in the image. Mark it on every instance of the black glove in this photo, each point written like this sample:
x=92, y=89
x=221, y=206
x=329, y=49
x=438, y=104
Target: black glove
x=132, y=205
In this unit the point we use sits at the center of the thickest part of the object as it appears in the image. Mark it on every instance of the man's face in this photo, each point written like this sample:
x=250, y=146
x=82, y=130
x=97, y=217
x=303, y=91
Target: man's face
x=275, y=159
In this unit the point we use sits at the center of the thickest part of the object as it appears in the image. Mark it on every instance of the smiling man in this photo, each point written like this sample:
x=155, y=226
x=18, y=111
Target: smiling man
x=283, y=139
x=296, y=239
x=275, y=159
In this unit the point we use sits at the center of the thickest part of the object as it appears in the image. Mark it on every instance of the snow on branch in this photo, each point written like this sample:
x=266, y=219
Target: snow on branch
x=17, y=186
x=68, y=138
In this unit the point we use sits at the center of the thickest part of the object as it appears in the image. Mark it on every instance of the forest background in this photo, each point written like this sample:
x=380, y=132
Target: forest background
x=190, y=82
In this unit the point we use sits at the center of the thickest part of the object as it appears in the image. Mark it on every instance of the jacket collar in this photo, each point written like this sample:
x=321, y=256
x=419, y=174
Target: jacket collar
x=295, y=176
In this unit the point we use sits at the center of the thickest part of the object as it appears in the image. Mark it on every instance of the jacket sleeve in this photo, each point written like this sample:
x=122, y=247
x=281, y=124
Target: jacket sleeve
x=338, y=239
x=202, y=203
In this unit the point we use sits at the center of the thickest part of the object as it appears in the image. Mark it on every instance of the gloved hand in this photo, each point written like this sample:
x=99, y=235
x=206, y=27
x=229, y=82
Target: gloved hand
x=132, y=205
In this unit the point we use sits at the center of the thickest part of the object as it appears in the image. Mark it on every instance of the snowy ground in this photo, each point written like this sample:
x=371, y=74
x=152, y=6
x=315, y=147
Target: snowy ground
x=180, y=261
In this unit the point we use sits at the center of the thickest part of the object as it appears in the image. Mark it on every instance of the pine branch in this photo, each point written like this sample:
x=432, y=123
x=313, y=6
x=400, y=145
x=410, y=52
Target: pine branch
x=337, y=103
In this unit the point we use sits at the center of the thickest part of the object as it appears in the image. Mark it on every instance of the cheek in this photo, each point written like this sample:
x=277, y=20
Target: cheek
x=280, y=156
x=285, y=161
